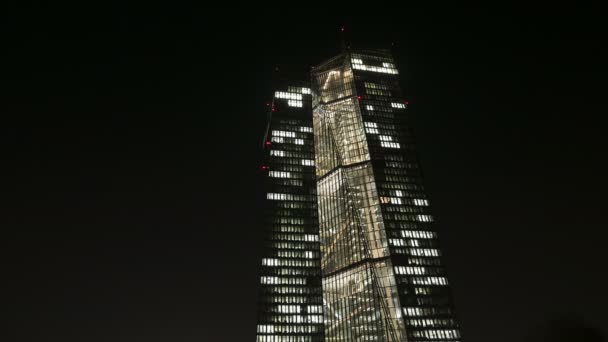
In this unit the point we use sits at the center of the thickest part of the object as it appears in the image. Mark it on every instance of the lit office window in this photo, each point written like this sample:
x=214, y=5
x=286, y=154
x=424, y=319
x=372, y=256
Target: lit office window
x=295, y=103
x=429, y=281
x=418, y=234
x=421, y=202
x=279, y=174
x=286, y=134
x=277, y=153
x=384, y=70
x=288, y=96
x=388, y=144
x=410, y=270
x=424, y=218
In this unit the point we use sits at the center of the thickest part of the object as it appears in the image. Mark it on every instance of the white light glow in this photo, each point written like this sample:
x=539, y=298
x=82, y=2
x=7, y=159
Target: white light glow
x=279, y=174
x=387, y=144
x=295, y=103
x=383, y=70
x=286, y=95
x=287, y=134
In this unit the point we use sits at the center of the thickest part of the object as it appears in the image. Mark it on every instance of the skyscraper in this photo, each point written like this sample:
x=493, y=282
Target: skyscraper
x=382, y=275
x=290, y=298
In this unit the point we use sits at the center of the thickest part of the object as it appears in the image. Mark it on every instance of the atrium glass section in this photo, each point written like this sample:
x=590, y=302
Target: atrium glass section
x=359, y=288
x=383, y=279
x=290, y=296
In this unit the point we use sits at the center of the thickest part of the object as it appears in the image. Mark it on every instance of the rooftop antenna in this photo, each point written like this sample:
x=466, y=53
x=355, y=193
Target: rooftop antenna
x=343, y=46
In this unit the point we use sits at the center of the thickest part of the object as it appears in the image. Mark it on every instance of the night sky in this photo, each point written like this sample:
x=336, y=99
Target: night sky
x=131, y=146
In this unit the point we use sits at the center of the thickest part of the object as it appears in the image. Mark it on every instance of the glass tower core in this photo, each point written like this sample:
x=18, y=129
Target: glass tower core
x=382, y=275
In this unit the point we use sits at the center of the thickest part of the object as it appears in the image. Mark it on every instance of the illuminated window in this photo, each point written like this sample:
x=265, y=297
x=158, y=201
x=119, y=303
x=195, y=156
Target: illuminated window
x=424, y=218
x=295, y=103
x=412, y=311
x=418, y=234
x=397, y=105
x=299, y=141
x=387, y=144
x=279, y=174
x=288, y=96
x=429, y=281
x=421, y=202
x=384, y=70
x=271, y=280
x=284, y=134
x=410, y=270
x=308, y=162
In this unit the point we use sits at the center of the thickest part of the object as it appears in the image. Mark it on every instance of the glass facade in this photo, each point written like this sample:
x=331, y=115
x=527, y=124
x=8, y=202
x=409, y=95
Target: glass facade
x=382, y=274
x=290, y=297
x=351, y=251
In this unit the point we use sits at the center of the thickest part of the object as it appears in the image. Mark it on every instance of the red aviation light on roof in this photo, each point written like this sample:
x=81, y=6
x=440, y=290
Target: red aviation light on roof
x=359, y=97
x=407, y=102
x=265, y=167
x=267, y=143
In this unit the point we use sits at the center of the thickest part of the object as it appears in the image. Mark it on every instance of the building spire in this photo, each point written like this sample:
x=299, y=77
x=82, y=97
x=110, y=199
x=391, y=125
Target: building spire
x=343, y=46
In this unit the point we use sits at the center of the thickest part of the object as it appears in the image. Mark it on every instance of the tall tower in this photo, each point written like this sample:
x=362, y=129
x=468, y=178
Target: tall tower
x=290, y=298
x=383, y=279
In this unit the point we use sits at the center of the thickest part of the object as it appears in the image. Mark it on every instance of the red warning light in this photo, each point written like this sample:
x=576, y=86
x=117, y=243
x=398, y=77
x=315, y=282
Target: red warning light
x=267, y=143
x=359, y=97
x=407, y=102
x=265, y=167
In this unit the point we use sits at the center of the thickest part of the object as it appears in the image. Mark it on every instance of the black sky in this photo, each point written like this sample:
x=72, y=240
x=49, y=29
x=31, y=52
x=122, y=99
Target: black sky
x=131, y=142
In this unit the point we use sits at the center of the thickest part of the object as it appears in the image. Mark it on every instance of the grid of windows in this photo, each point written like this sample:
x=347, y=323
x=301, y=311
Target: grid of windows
x=290, y=301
